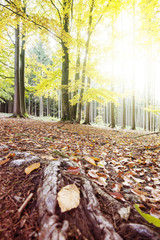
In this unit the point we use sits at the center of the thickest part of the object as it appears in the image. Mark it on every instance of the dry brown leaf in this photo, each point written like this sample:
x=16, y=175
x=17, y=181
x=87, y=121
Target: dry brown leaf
x=102, y=180
x=32, y=167
x=139, y=192
x=156, y=194
x=93, y=174
x=4, y=161
x=68, y=197
x=90, y=160
x=155, y=213
x=7, y=158
x=117, y=187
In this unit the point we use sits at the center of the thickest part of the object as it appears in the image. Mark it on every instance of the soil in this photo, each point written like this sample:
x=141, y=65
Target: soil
x=120, y=151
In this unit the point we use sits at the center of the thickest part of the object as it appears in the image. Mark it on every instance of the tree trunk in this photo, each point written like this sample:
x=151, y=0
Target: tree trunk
x=41, y=106
x=65, y=64
x=22, y=74
x=17, y=111
x=133, y=73
x=77, y=77
x=85, y=62
x=87, y=117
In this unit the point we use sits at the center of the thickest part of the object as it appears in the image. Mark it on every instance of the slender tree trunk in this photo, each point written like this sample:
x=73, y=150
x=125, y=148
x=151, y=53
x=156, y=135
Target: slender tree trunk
x=87, y=117
x=22, y=73
x=41, y=106
x=133, y=74
x=77, y=77
x=85, y=62
x=65, y=63
x=17, y=111
x=112, y=111
x=48, y=106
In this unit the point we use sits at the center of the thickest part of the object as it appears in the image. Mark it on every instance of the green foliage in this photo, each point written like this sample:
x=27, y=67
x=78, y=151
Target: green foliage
x=148, y=217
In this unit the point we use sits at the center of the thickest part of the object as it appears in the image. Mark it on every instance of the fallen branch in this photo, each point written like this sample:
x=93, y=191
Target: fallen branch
x=20, y=210
x=146, y=134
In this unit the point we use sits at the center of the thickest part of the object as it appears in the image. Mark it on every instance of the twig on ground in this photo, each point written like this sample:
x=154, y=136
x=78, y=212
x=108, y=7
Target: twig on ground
x=20, y=210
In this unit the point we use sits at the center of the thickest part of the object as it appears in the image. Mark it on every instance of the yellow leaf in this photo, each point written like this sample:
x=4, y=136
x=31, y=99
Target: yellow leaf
x=32, y=167
x=68, y=197
x=90, y=160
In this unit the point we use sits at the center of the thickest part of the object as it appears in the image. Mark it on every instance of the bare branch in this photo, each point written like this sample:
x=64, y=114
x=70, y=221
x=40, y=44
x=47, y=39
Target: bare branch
x=60, y=3
x=6, y=64
x=10, y=38
x=5, y=77
x=57, y=11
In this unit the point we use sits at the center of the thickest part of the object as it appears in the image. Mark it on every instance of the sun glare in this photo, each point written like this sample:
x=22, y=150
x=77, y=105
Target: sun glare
x=126, y=58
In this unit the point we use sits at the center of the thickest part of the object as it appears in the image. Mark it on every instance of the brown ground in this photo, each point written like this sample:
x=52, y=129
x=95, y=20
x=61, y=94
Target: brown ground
x=138, y=159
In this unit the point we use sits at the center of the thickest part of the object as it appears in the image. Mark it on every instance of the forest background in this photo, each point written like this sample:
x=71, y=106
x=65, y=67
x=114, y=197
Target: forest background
x=81, y=60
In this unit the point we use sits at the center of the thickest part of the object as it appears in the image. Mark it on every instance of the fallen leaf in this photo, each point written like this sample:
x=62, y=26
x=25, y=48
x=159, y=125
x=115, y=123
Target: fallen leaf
x=32, y=167
x=156, y=194
x=117, y=195
x=102, y=180
x=90, y=160
x=148, y=217
x=155, y=213
x=117, y=187
x=7, y=158
x=73, y=170
x=139, y=192
x=68, y=197
x=73, y=158
x=124, y=213
x=93, y=174
x=138, y=180
x=4, y=161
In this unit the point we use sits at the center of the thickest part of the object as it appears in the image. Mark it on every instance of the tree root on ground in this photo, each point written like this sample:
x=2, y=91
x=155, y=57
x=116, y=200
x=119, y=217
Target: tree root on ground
x=84, y=222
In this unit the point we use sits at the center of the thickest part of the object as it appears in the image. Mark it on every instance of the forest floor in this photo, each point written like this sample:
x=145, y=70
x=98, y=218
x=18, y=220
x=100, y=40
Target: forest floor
x=122, y=163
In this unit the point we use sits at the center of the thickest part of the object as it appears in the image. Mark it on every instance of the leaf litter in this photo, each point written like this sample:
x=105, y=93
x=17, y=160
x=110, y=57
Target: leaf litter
x=125, y=167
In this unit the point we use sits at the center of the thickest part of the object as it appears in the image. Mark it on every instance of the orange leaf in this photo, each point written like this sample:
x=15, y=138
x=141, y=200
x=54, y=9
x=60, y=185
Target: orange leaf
x=117, y=195
x=32, y=167
x=139, y=192
x=74, y=170
x=7, y=158
x=117, y=187
x=4, y=161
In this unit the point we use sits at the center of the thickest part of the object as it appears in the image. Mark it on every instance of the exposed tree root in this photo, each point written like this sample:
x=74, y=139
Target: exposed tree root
x=84, y=222
x=147, y=134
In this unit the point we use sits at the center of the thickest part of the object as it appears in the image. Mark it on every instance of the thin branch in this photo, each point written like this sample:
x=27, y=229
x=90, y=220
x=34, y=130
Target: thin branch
x=57, y=11
x=60, y=3
x=6, y=64
x=27, y=18
x=5, y=77
x=10, y=38
x=20, y=210
x=100, y=17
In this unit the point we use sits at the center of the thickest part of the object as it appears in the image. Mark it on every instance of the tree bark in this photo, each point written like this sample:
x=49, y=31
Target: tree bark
x=65, y=64
x=84, y=222
x=17, y=110
x=22, y=72
x=77, y=77
x=85, y=61
x=87, y=117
